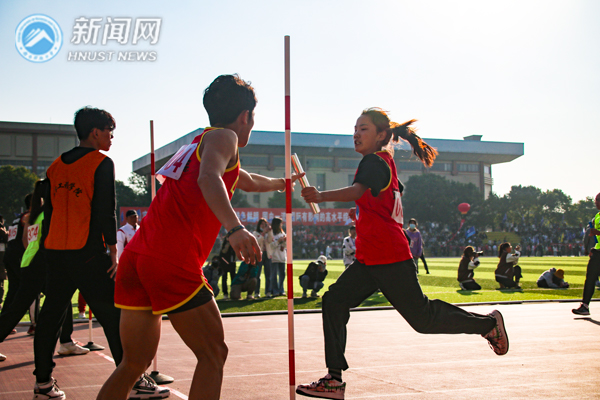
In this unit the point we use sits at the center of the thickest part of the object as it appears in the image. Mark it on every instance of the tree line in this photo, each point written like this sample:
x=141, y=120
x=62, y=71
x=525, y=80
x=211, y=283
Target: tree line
x=427, y=197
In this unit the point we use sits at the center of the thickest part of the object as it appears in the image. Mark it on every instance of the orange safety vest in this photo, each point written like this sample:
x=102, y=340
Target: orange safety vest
x=71, y=195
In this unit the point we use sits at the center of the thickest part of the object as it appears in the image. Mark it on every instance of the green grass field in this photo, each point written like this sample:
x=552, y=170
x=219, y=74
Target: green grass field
x=440, y=284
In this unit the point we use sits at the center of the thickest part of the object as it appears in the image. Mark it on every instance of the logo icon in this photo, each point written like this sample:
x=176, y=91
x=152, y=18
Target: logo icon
x=38, y=38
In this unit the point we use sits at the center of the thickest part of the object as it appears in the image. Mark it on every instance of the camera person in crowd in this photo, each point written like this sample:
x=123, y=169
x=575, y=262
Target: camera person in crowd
x=244, y=281
x=227, y=263
x=508, y=273
x=212, y=272
x=553, y=278
x=468, y=263
x=349, y=246
x=313, y=277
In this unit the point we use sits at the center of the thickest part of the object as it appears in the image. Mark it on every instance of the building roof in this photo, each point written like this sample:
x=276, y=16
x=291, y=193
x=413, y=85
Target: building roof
x=471, y=149
x=33, y=127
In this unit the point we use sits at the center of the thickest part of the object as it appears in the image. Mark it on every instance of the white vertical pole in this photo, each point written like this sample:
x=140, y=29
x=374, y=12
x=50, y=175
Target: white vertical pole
x=288, y=222
x=153, y=193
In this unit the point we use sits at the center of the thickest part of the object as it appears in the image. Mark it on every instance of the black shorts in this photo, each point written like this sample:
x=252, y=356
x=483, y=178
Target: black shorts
x=203, y=296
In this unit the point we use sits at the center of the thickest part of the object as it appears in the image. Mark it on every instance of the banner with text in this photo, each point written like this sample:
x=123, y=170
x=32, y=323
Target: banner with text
x=327, y=216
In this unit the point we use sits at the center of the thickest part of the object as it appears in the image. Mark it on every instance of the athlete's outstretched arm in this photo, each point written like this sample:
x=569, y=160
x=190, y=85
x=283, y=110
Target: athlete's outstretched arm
x=250, y=182
x=350, y=193
x=218, y=150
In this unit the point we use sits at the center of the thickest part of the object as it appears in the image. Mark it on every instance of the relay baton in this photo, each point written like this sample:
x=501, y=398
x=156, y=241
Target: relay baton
x=303, y=180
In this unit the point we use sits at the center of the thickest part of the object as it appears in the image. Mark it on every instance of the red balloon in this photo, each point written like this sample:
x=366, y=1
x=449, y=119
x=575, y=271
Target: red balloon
x=464, y=208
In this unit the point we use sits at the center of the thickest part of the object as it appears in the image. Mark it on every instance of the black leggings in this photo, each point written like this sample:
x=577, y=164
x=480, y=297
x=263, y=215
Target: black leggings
x=591, y=276
x=399, y=284
x=33, y=281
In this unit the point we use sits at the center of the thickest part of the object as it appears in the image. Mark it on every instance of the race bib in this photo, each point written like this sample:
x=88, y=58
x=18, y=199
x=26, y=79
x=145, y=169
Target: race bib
x=174, y=167
x=12, y=232
x=32, y=233
x=397, y=214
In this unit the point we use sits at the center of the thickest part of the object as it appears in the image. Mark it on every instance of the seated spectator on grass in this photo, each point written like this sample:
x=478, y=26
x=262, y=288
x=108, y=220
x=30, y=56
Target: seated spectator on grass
x=553, y=278
x=468, y=262
x=244, y=281
x=508, y=273
x=314, y=276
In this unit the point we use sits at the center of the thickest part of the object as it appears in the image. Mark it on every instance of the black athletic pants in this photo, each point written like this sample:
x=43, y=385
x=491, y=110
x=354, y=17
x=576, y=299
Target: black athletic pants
x=67, y=271
x=591, y=276
x=399, y=284
x=33, y=281
x=13, y=273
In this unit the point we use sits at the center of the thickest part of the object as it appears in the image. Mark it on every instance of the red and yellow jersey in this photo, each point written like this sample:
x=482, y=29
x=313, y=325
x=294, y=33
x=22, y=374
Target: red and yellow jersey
x=379, y=236
x=180, y=227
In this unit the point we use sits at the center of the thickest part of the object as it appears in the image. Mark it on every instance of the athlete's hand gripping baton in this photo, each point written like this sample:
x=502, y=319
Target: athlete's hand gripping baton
x=303, y=180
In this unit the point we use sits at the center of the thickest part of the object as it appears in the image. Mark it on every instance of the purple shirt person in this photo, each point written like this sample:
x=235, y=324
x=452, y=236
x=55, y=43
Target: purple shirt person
x=416, y=241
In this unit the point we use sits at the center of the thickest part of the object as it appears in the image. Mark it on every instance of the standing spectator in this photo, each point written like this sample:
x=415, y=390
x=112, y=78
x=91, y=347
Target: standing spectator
x=3, y=240
x=244, y=281
x=589, y=240
x=227, y=264
x=552, y=278
x=508, y=273
x=126, y=232
x=279, y=257
x=468, y=262
x=593, y=267
x=33, y=272
x=263, y=236
x=416, y=243
x=313, y=277
x=349, y=247
x=14, y=253
x=80, y=205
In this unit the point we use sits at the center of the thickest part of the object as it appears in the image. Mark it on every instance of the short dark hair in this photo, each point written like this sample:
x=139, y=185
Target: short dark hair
x=88, y=118
x=226, y=98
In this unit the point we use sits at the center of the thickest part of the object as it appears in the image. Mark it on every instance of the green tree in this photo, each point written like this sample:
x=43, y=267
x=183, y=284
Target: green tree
x=433, y=198
x=524, y=203
x=239, y=200
x=15, y=184
x=278, y=201
x=581, y=212
x=555, y=203
x=136, y=194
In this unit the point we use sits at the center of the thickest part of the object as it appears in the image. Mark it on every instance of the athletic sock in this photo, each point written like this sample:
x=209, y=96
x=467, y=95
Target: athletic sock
x=336, y=374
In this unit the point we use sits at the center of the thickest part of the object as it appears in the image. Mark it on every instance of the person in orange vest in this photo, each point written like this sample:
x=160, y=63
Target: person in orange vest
x=81, y=226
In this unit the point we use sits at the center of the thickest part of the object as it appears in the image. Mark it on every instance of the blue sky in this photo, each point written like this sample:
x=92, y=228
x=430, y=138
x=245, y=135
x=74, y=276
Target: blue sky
x=522, y=71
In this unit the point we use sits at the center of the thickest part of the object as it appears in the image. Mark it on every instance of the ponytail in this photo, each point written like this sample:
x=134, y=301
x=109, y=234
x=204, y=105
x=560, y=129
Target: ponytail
x=502, y=247
x=37, y=202
x=422, y=150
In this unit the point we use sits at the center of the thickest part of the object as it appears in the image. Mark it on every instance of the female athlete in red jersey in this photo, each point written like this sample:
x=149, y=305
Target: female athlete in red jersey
x=383, y=258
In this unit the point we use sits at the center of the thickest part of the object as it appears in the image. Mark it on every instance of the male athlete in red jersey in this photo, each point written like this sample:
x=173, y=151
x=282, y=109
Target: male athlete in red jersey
x=160, y=271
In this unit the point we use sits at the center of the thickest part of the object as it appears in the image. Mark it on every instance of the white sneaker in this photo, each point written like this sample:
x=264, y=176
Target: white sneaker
x=225, y=297
x=67, y=349
x=81, y=315
x=146, y=388
x=324, y=388
x=2, y=357
x=250, y=297
x=48, y=391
